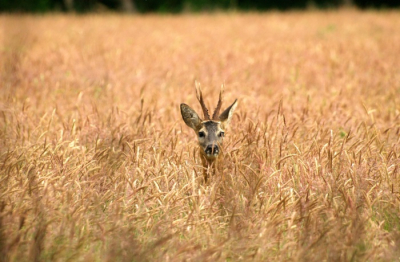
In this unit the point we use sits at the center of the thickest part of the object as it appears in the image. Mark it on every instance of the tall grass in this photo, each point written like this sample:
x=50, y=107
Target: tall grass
x=97, y=164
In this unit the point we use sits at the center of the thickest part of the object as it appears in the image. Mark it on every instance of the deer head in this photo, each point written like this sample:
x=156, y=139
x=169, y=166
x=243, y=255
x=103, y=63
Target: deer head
x=210, y=131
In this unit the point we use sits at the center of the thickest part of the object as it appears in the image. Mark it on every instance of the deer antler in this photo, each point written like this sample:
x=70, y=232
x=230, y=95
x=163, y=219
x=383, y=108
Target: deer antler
x=218, y=108
x=199, y=96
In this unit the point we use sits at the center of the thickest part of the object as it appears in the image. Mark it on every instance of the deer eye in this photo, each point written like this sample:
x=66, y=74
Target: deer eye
x=202, y=134
x=221, y=134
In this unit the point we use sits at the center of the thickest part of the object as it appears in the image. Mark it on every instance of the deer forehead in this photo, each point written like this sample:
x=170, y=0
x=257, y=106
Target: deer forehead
x=211, y=126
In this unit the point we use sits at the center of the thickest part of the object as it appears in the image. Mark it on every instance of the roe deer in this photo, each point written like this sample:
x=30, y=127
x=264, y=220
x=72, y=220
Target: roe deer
x=210, y=131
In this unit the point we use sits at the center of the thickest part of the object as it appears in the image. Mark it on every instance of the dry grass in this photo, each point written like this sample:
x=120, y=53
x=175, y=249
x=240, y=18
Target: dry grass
x=97, y=164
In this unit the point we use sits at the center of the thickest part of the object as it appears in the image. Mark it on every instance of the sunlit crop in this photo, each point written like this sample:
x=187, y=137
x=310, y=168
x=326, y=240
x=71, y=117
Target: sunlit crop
x=96, y=163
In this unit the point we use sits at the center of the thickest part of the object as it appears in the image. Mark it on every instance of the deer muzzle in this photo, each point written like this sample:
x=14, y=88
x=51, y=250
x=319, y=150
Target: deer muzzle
x=212, y=150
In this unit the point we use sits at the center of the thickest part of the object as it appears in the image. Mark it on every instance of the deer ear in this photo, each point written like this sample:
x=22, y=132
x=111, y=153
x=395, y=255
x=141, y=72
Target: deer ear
x=226, y=116
x=190, y=117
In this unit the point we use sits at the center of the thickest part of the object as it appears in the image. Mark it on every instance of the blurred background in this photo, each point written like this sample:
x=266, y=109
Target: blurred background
x=176, y=6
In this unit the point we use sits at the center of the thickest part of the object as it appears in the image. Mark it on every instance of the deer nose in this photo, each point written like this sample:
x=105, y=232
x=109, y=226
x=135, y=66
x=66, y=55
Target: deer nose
x=212, y=150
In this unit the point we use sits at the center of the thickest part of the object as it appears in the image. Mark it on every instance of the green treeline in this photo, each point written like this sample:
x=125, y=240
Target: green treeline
x=144, y=6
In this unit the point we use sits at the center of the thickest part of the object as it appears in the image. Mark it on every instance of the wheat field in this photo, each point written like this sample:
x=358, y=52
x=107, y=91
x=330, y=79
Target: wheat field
x=98, y=165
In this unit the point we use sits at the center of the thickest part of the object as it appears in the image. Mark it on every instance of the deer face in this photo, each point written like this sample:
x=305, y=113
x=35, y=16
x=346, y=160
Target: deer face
x=210, y=132
x=210, y=138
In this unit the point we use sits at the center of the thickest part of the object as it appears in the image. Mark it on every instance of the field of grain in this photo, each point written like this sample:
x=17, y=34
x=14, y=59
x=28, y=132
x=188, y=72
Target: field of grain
x=97, y=164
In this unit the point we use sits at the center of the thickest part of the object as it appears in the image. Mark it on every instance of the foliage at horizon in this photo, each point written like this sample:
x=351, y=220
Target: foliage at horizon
x=176, y=6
